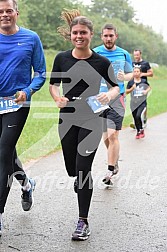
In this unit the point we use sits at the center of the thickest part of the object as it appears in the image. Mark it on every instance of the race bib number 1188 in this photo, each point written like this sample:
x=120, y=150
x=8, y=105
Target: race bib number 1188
x=7, y=104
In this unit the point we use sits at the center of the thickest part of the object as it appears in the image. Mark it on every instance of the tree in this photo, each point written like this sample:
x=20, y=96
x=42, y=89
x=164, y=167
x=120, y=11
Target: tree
x=113, y=9
x=44, y=18
x=22, y=20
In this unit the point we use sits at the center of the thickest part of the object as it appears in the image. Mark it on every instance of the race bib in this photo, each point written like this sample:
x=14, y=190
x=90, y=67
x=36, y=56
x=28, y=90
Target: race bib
x=7, y=104
x=138, y=92
x=95, y=105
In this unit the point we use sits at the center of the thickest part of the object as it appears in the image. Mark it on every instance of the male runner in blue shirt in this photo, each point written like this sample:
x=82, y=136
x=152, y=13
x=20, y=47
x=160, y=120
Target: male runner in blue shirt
x=122, y=64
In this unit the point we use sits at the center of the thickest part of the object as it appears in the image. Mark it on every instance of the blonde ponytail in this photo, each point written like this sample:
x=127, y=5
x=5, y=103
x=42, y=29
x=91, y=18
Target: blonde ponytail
x=67, y=16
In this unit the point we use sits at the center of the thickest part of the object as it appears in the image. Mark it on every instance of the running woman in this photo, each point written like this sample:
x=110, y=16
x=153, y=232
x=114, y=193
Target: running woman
x=80, y=71
x=146, y=71
x=139, y=89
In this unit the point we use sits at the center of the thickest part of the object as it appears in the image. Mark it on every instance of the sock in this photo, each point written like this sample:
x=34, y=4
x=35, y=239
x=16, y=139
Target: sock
x=85, y=220
x=111, y=167
x=27, y=187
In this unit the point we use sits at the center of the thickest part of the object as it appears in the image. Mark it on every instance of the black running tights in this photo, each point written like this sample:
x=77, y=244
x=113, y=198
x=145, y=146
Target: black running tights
x=137, y=115
x=11, y=125
x=80, y=141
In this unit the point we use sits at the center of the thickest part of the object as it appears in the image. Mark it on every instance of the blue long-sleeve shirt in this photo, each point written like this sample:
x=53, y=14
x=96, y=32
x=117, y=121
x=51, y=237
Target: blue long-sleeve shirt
x=22, y=63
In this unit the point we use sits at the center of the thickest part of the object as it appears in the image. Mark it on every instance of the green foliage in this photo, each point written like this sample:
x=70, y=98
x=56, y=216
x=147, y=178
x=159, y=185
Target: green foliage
x=23, y=18
x=111, y=9
x=44, y=18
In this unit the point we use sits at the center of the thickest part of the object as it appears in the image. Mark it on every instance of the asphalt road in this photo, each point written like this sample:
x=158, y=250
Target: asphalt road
x=130, y=216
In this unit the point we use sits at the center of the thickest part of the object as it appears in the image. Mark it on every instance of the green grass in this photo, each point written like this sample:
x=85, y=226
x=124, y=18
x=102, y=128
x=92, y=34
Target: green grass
x=40, y=137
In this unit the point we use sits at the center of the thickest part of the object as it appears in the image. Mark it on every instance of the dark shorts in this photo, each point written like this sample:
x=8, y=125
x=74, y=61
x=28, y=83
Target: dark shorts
x=113, y=117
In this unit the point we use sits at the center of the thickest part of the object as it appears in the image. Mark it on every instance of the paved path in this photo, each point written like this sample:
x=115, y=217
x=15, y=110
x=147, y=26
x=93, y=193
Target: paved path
x=132, y=216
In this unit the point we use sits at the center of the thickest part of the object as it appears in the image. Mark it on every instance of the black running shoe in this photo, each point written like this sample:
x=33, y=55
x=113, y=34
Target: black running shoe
x=109, y=183
x=82, y=231
x=27, y=196
x=76, y=185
